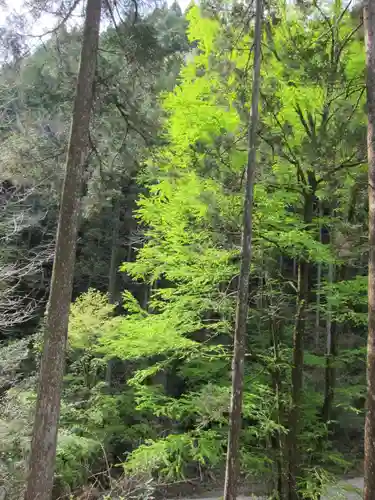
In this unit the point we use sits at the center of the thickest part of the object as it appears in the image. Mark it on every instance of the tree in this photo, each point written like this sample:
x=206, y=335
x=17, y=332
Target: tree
x=43, y=448
x=235, y=419
x=172, y=390
x=369, y=23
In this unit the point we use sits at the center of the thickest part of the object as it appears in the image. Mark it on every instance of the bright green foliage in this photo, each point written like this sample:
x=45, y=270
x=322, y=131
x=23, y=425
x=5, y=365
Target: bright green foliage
x=193, y=214
x=170, y=456
x=88, y=316
x=141, y=337
x=148, y=380
x=349, y=300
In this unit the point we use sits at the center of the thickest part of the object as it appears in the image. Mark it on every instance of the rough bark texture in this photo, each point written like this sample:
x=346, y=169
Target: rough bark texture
x=43, y=447
x=369, y=468
x=235, y=421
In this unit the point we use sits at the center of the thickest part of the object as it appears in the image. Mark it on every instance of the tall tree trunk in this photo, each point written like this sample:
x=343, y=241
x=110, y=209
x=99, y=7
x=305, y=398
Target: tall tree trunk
x=297, y=381
x=235, y=420
x=297, y=362
x=113, y=266
x=112, y=277
x=318, y=285
x=146, y=295
x=369, y=467
x=331, y=353
x=277, y=440
x=317, y=313
x=43, y=446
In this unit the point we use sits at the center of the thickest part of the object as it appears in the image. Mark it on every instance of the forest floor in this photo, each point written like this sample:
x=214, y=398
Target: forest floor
x=346, y=490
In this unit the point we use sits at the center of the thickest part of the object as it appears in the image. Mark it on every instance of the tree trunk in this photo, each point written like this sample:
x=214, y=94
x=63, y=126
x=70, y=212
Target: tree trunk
x=112, y=277
x=277, y=440
x=318, y=286
x=369, y=466
x=43, y=446
x=113, y=266
x=317, y=314
x=297, y=362
x=146, y=296
x=331, y=353
x=232, y=462
x=297, y=381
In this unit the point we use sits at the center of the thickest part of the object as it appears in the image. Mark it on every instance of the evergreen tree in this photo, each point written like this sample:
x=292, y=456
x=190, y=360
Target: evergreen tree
x=369, y=21
x=43, y=446
x=235, y=422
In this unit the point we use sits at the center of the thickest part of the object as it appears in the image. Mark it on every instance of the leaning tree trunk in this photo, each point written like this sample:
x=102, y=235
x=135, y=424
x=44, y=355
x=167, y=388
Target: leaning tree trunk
x=369, y=468
x=43, y=447
x=232, y=463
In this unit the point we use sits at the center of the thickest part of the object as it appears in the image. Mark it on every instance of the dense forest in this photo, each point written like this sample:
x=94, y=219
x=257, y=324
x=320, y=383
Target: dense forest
x=146, y=398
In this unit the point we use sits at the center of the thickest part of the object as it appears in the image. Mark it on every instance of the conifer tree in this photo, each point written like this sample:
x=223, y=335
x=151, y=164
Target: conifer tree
x=369, y=21
x=232, y=464
x=43, y=447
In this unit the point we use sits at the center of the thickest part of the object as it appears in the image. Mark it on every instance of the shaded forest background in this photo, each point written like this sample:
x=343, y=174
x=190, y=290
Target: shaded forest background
x=147, y=388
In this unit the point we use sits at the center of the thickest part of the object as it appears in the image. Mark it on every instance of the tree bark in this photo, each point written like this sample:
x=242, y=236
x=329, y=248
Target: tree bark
x=318, y=285
x=331, y=353
x=297, y=362
x=113, y=267
x=232, y=463
x=297, y=381
x=43, y=446
x=277, y=440
x=369, y=465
